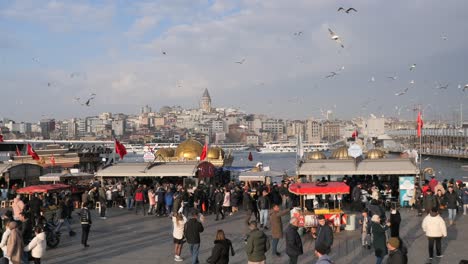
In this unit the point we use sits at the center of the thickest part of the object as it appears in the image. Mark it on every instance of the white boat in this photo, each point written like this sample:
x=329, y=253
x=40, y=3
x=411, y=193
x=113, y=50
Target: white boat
x=287, y=147
x=135, y=149
x=233, y=147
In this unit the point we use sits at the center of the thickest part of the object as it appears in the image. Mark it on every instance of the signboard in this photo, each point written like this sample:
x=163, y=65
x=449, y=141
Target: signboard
x=406, y=184
x=148, y=157
x=355, y=151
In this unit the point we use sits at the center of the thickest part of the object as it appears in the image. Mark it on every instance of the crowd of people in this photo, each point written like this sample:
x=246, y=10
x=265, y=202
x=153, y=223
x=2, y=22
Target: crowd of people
x=263, y=207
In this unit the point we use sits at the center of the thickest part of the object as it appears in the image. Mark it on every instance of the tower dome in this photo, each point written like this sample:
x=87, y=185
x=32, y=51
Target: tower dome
x=375, y=154
x=213, y=153
x=340, y=154
x=189, y=149
x=316, y=155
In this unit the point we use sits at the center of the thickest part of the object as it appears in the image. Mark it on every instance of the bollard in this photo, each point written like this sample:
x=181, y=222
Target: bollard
x=351, y=223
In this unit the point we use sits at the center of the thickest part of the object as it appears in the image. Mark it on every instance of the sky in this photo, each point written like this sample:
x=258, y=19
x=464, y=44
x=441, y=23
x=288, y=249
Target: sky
x=54, y=51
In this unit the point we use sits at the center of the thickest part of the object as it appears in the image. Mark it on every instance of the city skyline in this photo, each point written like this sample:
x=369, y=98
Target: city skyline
x=249, y=55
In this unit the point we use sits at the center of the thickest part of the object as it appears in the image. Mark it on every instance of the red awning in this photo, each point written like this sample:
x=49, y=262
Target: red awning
x=43, y=188
x=319, y=188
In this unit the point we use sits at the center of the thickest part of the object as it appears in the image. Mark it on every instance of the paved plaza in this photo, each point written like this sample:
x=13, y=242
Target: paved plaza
x=128, y=238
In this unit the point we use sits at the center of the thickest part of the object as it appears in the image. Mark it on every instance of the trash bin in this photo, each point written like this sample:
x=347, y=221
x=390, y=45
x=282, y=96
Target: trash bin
x=351, y=222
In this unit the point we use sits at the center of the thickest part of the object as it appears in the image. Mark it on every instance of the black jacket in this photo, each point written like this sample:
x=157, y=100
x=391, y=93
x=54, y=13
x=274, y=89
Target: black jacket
x=35, y=205
x=356, y=194
x=263, y=203
x=85, y=216
x=451, y=200
x=293, y=241
x=220, y=252
x=247, y=201
x=395, y=257
x=395, y=220
x=325, y=236
x=192, y=231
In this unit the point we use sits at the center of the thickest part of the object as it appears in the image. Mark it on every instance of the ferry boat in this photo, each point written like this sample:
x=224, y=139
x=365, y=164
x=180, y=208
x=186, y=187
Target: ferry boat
x=232, y=146
x=135, y=149
x=285, y=147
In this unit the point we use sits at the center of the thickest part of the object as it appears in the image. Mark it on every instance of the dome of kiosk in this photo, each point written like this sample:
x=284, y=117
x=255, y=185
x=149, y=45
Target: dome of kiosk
x=375, y=154
x=340, y=154
x=316, y=155
x=213, y=153
x=189, y=149
x=165, y=152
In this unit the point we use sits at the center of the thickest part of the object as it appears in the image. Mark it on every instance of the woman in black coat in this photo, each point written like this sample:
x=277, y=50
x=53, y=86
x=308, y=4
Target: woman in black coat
x=220, y=252
x=395, y=220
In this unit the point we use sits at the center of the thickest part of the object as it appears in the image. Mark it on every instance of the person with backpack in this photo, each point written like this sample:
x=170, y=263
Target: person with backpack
x=140, y=200
x=85, y=219
x=257, y=245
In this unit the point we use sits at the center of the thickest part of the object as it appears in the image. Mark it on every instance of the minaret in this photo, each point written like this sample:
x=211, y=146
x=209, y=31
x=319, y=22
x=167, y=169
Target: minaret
x=205, y=102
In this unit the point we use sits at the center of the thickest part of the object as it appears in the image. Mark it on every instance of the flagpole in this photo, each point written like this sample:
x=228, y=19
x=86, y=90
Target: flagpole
x=420, y=151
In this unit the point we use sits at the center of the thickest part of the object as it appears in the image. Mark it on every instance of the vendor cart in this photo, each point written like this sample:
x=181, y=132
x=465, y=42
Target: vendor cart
x=327, y=191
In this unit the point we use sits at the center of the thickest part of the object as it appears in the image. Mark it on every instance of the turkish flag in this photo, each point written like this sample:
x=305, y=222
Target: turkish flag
x=204, y=152
x=120, y=149
x=355, y=134
x=18, y=152
x=1, y=138
x=52, y=160
x=420, y=124
x=32, y=153
x=250, y=156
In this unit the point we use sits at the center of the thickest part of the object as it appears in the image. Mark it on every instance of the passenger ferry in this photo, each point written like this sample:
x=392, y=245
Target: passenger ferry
x=135, y=149
x=233, y=147
x=285, y=147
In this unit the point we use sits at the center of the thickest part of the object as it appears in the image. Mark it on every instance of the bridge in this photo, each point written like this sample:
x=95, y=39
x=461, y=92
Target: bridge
x=450, y=142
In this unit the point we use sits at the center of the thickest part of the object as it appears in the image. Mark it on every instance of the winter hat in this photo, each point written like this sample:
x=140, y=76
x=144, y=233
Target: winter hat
x=394, y=242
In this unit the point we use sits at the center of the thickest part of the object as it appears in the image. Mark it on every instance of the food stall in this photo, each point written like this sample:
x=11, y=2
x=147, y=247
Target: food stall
x=327, y=191
x=46, y=189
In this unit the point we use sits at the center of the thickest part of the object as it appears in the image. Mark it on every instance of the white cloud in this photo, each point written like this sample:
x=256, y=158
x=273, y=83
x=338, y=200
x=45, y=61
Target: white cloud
x=142, y=25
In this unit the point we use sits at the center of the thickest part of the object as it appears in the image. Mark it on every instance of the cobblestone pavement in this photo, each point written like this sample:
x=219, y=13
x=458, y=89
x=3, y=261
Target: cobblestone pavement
x=128, y=238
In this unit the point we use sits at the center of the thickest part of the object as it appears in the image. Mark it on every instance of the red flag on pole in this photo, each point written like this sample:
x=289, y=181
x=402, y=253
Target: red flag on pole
x=355, y=134
x=120, y=149
x=18, y=152
x=52, y=160
x=250, y=156
x=32, y=153
x=420, y=124
x=1, y=138
x=204, y=152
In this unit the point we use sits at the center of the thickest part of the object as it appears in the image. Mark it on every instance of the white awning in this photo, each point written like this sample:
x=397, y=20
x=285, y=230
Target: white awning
x=145, y=170
x=365, y=167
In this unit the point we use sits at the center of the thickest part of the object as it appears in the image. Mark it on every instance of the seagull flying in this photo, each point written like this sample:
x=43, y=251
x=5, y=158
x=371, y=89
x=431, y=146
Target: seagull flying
x=299, y=33
x=412, y=67
x=402, y=92
x=331, y=75
x=335, y=38
x=347, y=10
x=440, y=86
x=411, y=82
x=163, y=52
x=444, y=37
x=372, y=79
x=465, y=87
x=393, y=77
x=241, y=61
x=88, y=101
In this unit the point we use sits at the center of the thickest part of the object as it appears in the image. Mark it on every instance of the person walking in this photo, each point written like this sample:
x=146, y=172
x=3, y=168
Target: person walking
x=152, y=201
x=264, y=207
x=220, y=252
x=218, y=200
x=129, y=193
x=324, y=235
x=395, y=220
x=434, y=227
x=17, y=206
x=321, y=253
x=227, y=202
x=37, y=246
x=379, y=238
x=395, y=256
x=276, y=227
x=85, y=219
x=356, y=195
x=365, y=223
x=102, y=193
x=178, y=224
x=15, y=246
x=451, y=200
x=192, y=231
x=429, y=201
x=140, y=200
x=257, y=245
x=293, y=241
x=465, y=198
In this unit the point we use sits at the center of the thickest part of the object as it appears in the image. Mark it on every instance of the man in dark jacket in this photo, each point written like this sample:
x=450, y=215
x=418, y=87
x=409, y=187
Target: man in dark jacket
x=35, y=208
x=218, y=200
x=264, y=207
x=395, y=256
x=429, y=201
x=257, y=244
x=293, y=241
x=451, y=200
x=356, y=195
x=192, y=231
x=85, y=219
x=324, y=234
